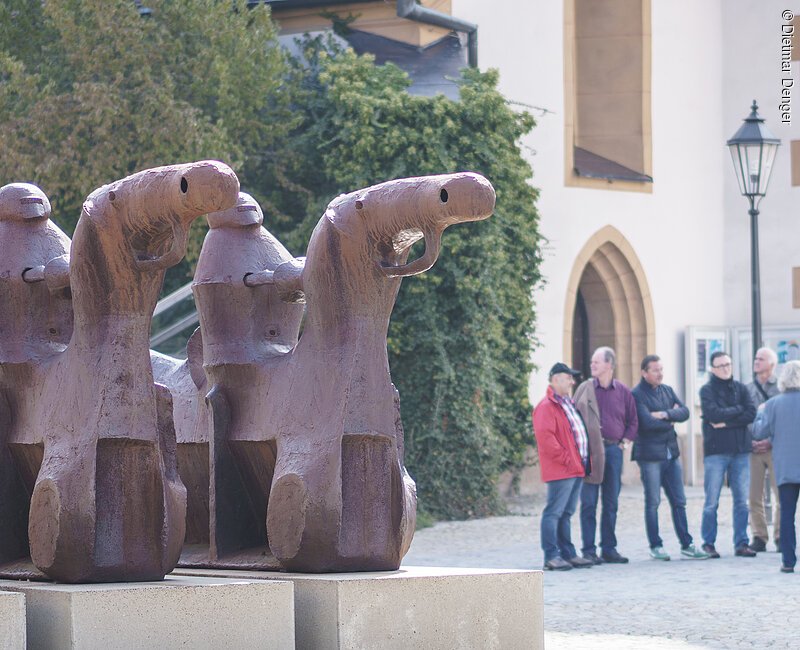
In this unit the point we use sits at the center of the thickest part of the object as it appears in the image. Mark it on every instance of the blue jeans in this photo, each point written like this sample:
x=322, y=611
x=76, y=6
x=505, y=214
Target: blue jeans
x=666, y=474
x=737, y=466
x=788, y=493
x=562, y=499
x=612, y=479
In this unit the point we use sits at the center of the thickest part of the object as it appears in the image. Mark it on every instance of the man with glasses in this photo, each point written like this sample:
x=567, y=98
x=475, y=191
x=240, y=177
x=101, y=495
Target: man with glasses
x=727, y=412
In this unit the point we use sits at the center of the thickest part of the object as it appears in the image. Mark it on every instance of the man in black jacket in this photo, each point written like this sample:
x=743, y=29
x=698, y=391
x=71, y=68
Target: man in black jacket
x=727, y=410
x=656, y=450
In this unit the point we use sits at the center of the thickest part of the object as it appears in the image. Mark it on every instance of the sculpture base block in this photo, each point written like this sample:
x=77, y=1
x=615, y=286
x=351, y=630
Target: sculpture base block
x=415, y=607
x=180, y=612
x=12, y=621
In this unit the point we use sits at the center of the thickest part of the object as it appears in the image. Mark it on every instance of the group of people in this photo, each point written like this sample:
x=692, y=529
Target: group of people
x=749, y=431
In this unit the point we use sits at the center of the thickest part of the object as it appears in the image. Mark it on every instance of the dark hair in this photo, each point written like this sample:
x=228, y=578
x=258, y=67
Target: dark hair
x=650, y=358
x=717, y=355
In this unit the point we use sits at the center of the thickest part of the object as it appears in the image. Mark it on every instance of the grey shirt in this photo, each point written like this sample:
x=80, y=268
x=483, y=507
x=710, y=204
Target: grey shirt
x=770, y=388
x=778, y=421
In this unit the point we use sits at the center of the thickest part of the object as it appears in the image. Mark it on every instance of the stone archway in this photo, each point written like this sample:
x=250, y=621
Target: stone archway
x=608, y=303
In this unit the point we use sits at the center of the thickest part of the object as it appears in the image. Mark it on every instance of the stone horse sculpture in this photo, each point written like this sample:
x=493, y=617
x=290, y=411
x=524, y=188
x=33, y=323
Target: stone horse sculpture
x=305, y=438
x=35, y=324
x=93, y=429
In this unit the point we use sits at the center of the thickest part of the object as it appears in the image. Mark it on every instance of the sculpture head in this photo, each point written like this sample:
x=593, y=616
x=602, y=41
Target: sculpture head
x=155, y=207
x=246, y=212
x=395, y=214
x=23, y=202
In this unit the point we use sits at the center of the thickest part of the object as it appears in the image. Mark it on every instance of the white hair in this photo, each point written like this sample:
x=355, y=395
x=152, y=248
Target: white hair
x=790, y=377
x=770, y=354
x=608, y=354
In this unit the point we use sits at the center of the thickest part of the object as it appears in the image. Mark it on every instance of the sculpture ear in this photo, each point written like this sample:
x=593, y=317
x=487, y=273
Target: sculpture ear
x=346, y=220
x=194, y=357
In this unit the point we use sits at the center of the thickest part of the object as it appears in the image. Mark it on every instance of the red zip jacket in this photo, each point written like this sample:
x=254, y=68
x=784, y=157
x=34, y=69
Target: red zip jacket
x=558, y=453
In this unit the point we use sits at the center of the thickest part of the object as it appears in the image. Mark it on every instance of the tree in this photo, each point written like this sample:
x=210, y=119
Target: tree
x=91, y=92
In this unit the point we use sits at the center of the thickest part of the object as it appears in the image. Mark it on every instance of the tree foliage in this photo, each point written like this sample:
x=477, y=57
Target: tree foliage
x=90, y=92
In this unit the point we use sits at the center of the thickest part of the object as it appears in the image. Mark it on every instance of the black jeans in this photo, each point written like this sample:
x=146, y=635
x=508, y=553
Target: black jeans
x=788, y=493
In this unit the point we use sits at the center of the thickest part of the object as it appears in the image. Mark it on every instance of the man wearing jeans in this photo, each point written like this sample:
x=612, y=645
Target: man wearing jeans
x=563, y=459
x=656, y=451
x=609, y=410
x=727, y=412
x=763, y=387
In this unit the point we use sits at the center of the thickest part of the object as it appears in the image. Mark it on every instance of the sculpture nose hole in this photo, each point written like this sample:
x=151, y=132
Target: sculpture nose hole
x=184, y=185
x=443, y=196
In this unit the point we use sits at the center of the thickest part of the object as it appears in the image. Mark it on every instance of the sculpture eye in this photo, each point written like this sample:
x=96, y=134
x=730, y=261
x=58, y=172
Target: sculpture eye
x=443, y=196
x=112, y=196
x=184, y=185
x=359, y=205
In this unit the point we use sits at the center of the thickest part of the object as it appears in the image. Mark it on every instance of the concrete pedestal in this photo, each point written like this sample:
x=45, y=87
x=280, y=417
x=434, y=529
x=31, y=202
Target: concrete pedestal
x=12, y=621
x=415, y=607
x=180, y=612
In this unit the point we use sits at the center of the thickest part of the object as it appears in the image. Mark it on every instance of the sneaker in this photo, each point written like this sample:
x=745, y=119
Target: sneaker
x=710, y=551
x=658, y=553
x=613, y=557
x=580, y=562
x=758, y=545
x=744, y=550
x=557, y=564
x=691, y=553
x=593, y=557
x=787, y=569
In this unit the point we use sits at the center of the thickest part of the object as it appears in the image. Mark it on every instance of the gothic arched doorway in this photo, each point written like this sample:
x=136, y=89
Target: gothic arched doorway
x=608, y=303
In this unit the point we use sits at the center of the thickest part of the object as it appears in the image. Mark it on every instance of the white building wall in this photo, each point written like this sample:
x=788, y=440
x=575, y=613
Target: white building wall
x=673, y=228
x=752, y=70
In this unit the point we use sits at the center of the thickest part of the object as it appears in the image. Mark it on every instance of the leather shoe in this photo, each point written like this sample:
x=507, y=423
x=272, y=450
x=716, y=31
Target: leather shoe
x=712, y=552
x=580, y=562
x=593, y=558
x=744, y=551
x=787, y=569
x=758, y=545
x=613, y=557
x=557, y=564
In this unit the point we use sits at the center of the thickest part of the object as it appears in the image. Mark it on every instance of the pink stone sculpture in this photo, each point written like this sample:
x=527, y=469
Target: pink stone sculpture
x=304, y=438
x=91, y=434
x=35, y=325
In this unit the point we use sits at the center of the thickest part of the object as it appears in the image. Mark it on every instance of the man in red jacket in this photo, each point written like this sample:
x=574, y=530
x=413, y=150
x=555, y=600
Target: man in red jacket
x=564, y=460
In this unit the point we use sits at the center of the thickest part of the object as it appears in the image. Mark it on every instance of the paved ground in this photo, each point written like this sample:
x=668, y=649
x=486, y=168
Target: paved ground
x=727, y=603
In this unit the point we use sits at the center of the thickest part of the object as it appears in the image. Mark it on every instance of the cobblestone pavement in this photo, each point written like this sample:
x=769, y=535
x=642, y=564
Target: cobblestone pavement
x=727, y=603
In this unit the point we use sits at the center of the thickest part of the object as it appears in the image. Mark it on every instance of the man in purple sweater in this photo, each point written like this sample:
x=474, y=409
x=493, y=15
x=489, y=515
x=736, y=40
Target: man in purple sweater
x=607, y=406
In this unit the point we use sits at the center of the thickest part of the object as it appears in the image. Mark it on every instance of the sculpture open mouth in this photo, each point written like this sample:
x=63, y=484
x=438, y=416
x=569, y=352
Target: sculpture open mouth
x=404, y=240
x=144, y=252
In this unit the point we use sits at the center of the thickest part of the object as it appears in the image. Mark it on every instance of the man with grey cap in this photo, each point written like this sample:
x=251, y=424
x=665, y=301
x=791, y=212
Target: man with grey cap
x=563, y=460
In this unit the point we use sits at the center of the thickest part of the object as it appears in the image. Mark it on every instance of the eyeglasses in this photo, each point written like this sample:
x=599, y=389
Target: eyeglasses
x=722, y=365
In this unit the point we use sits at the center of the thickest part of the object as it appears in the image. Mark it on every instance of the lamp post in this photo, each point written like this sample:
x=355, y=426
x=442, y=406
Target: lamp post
x=753, y=150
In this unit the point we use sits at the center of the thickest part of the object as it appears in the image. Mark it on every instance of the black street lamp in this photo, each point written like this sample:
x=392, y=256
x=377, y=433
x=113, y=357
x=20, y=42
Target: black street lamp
x=753, y=150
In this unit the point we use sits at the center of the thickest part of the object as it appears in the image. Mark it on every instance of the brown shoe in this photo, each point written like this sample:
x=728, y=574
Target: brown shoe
x=580, y=562
x=787, y=569
x=744, y=551
x=712, y=552
x=557, y=564
x=758, y=545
